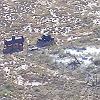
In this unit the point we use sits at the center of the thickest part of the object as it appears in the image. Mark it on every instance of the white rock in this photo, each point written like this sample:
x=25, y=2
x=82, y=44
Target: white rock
x=7, y=70
x=19, y=80
x=24, y=66
x=36, y=83
x=27, y=83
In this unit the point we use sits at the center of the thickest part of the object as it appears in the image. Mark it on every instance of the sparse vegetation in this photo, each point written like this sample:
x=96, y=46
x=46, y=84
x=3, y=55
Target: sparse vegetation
x=45, y=74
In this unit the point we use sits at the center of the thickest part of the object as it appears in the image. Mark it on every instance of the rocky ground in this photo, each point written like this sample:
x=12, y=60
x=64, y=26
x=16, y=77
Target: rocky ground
x=63, y=71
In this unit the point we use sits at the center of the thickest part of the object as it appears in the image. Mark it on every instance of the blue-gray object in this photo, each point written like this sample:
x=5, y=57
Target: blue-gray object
x=14, y=44
x=45, y=40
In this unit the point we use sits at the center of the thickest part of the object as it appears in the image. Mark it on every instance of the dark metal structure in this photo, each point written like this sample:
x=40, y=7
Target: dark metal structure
x=73, y=64
x=14, y=44
x=45, y=40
